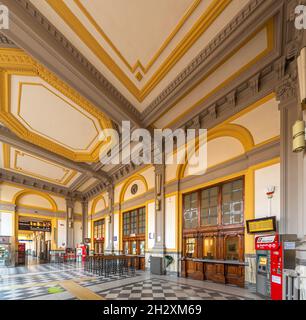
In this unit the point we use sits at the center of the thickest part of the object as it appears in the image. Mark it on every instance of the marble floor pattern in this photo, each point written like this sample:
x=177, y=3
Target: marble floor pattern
x=70, y=282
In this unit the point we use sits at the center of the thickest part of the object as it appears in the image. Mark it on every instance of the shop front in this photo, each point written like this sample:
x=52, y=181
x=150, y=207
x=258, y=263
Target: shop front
x=213, y=233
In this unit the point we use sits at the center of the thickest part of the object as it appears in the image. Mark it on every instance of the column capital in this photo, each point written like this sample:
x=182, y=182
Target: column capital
x=70, y=202
x=287, y=89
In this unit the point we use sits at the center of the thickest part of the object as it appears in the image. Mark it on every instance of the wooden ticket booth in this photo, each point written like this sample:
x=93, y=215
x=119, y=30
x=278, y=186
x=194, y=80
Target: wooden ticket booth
x=134, y=235
x=213, y=233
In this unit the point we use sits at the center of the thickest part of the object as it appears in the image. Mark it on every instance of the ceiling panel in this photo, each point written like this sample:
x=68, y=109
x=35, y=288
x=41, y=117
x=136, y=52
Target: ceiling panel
x=25, y=163
x=140, y=45
x=40, y=108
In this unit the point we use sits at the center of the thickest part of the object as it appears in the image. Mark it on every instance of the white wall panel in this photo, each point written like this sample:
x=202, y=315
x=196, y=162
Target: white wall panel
x=170, y=221
x=269, y=176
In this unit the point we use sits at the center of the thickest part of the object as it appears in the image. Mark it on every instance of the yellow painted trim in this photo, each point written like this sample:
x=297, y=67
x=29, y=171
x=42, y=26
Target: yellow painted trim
x=138, y=64
x=238, y=132
x=66, y=179
x=251, y=107
x=95, y=202
x=37, y=216
x=22, y=193
x=269, y=27
x=203, y=23
x=128, y=182
x=249, y=212
x=16, y=62
x=21, y=86
x=147, y=222
x=135, y=197
x=266, y=164
x=276, y=138
x=250, y=199
x=214, y=181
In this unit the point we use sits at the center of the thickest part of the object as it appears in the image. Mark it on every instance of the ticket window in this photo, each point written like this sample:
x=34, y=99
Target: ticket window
x=134, y=247
x=126, y=247
x=232, y=248
x=190, y=247
x=142, y=248
x=209, y=248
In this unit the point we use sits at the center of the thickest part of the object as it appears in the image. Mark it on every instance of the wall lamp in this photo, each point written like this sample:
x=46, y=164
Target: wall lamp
x=298, y=134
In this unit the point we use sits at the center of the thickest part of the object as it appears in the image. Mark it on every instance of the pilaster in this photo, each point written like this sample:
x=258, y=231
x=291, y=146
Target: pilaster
x=159, y=246
x=70, y=222
x=84, y=220
x=110, y=220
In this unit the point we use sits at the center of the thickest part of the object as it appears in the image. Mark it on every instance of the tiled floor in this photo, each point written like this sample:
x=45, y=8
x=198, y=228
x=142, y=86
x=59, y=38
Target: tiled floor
x=69, y=281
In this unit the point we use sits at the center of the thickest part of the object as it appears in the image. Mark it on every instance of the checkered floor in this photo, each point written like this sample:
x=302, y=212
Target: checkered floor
x=43, y=282
x=29, y=293
x=157, y=289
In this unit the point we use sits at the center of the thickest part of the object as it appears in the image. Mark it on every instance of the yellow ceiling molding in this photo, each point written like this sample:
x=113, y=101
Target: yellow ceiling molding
x=19, y=195
x=23, y=84
x=269, y=27
x=138, y=64
x=129, y=182
x=16, y=62
x=202, y=24
x=68, y=174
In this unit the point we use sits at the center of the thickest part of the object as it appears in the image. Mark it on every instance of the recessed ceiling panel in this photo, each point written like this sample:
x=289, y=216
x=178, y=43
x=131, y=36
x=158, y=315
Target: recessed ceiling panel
x=37, y=167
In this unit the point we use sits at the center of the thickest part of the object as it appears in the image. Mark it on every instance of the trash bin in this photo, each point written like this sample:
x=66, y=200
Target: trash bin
x=157, y=265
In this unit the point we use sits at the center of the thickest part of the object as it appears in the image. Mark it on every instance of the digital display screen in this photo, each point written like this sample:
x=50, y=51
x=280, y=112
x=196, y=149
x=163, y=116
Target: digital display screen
x=262, y=261
x=261, y=225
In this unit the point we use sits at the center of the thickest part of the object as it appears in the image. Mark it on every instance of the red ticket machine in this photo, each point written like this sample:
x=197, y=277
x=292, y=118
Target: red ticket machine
x=82, y=252
x=273, y=254
x=21, y=257
x=269, y=266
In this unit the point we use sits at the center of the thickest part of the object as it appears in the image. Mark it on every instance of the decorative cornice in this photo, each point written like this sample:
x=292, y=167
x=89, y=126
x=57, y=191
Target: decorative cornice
x=182, y=78
x=34, y=14
x=287, y=86
x=10, y=138
x=188, y=72
x=28, y=182
x=5, y=42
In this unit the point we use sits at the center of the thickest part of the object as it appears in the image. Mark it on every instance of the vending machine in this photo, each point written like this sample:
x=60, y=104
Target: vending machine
x=82, y=252
x=274, y=253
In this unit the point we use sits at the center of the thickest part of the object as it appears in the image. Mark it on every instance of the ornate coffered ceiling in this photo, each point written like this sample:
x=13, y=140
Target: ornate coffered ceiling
x=27, y=164
x=156, y=63
x=41, y=109
x=140, y=46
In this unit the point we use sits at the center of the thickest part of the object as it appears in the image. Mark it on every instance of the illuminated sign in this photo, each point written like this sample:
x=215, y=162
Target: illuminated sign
x=44, y=226
x=261, y=225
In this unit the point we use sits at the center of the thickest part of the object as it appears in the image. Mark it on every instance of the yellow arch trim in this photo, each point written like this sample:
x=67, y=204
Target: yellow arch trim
x=129, y=182
x=235, y=131
x=23, y=193
x=95, y=202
